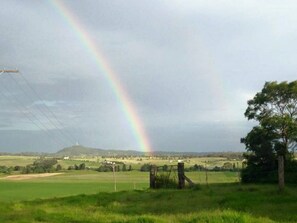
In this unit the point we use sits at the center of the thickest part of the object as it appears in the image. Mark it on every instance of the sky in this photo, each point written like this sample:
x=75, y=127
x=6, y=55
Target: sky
x=186, y=70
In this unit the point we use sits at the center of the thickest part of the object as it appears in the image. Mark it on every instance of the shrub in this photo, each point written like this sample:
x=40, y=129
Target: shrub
x=164, y=181
x=105, y=168
x=145, y=167
x=5, y=169
x=40, y=166
x=58, y=167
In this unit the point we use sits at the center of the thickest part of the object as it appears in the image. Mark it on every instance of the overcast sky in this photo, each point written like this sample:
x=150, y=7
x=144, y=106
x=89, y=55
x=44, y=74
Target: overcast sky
x=189, y=68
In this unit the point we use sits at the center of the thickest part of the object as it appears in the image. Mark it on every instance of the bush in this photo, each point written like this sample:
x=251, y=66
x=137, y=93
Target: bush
x=195, y=168
x=81, y=166
x=5, y=169
x=164, y=181
x=255, y=175
x=40, y=166
x=58, y=167
x=105, y=168
x=145, y=167
x=44, y=165
x=27, y=169
x=130, y=168
x=260, y=174
x=18, y=168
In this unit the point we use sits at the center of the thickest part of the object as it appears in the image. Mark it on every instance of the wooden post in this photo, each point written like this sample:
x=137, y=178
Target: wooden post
x=238, y=173
x=281, y=173
x=153, y=173
x=114, y=177
x=181, y=175
x=206, y=174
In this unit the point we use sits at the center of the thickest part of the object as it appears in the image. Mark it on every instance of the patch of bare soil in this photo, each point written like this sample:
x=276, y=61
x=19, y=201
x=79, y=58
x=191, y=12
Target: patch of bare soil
x=30, y=176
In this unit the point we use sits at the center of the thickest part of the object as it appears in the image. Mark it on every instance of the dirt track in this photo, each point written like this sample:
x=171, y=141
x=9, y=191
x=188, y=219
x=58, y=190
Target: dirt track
x=29, y=176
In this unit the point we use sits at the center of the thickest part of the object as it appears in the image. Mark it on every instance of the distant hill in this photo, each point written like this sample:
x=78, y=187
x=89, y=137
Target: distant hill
x=79, y=151
x=87, y=151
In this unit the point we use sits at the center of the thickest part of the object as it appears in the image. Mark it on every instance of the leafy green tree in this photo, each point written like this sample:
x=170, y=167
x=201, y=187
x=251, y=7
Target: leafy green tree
x=82, y=166
x=17, y=168
x=275, y=108
x=105, y=168
x=145, y=167
x=5, y=169
x=261, y=156
x=43, y=165
x=27, y=169
x=70, y=168
x=58, y=167
x=227, y=166
x=76, y=167
x=196, y=167
x=130, y=168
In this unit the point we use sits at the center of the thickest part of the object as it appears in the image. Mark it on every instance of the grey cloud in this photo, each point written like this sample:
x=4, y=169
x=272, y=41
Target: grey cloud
x=202, y=137
x=188, y=69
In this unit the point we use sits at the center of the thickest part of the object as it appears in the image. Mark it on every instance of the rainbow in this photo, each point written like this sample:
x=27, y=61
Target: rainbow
x=106, y=70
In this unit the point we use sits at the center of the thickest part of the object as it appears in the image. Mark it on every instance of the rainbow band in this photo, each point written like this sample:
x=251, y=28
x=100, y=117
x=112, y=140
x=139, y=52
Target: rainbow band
x=103, y=65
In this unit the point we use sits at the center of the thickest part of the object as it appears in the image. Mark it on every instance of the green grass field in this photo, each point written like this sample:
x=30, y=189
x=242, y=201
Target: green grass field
x=16, y=160
x=89, y=182
x=135, y=162
x=89, y=196
x=215, y=203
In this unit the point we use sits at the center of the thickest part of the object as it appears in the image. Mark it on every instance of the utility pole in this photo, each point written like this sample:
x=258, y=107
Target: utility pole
x=114, y=177
x=206, y=173
x=8, y=71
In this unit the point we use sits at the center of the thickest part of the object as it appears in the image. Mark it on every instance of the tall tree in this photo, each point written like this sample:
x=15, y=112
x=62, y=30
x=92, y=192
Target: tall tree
x=275, y=108
x=261, y=156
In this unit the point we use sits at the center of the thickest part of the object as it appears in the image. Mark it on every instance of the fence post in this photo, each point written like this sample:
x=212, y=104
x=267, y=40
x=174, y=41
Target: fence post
x=114, y=178
x=181, y=175
x=153, y=172
x=206, y=173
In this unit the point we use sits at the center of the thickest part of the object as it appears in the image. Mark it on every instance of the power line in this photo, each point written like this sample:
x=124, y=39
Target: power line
x=37, y=123
x=48, y=109
x=44, y=110
x=11, y=77
x=63, y=135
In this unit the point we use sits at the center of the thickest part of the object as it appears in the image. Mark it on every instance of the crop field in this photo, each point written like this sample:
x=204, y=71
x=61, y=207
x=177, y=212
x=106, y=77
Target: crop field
x=16, y=160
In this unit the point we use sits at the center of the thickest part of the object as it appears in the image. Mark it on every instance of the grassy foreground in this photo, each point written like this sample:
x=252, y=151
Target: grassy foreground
x=216, y=203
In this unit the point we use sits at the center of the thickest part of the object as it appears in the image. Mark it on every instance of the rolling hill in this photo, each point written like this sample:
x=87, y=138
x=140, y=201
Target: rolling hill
x=79, y=150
